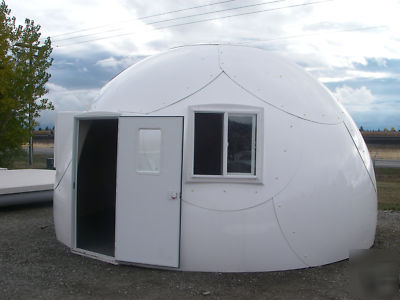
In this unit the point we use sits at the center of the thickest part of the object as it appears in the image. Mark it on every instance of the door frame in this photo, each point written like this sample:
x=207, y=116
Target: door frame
x=75, y=146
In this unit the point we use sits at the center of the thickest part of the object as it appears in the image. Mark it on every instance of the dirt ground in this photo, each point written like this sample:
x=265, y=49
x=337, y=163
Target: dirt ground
x=33, y=264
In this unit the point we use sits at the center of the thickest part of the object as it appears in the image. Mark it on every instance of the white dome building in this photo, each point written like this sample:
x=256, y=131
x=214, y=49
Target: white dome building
x=214, y=158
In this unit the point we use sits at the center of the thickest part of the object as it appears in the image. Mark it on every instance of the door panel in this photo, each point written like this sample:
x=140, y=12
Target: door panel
x=148, y=204
x=63, y=195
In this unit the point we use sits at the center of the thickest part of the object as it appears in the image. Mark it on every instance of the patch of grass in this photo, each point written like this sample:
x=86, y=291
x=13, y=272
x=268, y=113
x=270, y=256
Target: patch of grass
x=22, y=162
x=388, y=182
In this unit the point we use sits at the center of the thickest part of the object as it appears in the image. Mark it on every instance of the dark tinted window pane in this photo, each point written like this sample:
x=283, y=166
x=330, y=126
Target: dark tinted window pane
x=240, y=153
x=208, y=132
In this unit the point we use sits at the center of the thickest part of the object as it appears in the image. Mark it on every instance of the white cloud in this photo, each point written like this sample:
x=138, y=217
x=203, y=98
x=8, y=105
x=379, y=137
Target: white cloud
x=355, y=99
x=320, y=37
x=66, y=100
x=355, y=74
x=71, y=99
x=117, y=63
x=110, y=62
x=307, y=27
x=370, y=74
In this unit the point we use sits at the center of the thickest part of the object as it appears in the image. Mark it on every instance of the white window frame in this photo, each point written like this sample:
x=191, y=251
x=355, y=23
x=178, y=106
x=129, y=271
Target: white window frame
x=257, y=147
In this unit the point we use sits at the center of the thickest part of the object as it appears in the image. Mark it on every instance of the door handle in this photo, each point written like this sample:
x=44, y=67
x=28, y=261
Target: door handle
x=173, y=196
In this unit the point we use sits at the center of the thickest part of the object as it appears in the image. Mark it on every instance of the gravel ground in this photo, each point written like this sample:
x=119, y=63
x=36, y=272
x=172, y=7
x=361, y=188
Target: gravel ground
x=33, y=264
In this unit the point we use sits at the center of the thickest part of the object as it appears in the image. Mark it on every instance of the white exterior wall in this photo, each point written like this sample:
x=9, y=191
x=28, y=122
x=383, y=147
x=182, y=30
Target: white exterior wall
x=317, y=199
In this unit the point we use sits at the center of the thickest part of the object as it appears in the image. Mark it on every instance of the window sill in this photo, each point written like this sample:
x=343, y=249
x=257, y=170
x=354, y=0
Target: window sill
x=225, y=179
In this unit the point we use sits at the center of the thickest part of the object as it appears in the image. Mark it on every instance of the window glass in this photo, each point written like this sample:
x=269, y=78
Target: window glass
x=241, y=143
x=208, y=143
x=149, y=150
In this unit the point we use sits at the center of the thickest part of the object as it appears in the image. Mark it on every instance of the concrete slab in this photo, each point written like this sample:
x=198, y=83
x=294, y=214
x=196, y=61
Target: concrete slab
x=26, y=180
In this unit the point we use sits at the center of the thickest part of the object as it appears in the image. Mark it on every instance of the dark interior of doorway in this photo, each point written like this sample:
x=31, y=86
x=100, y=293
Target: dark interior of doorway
x=96, y=185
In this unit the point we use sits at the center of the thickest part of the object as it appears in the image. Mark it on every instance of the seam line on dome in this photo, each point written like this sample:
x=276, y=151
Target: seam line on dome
x=219, y=58
x=184, y=98
x=228, y=210
x=274, y=106
x=358, y=151
x=256, y=205
x=284, y=236
x=62, y=176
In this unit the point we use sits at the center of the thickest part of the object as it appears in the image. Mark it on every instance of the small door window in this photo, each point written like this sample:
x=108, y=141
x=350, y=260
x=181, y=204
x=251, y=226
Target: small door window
x=149, y=150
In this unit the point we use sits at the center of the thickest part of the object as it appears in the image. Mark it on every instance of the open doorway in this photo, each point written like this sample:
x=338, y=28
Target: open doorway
x=96, y=185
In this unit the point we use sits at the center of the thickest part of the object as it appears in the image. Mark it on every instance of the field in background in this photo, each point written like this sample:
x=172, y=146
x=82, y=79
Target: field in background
x=388, y=182
x=44, y=149
x=41, y=151
x=384, y=151
x=39, y=161
x=388, y=179
x=383, y=144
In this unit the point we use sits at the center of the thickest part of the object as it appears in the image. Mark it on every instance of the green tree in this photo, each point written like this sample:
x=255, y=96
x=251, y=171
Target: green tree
x=12, y=134
x=31, y=64
x=23, y=75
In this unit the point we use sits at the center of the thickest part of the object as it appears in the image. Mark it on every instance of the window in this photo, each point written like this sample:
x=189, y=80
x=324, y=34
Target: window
x=224, y=143
x=241, y=143
x=208, y=143
x=149, y=150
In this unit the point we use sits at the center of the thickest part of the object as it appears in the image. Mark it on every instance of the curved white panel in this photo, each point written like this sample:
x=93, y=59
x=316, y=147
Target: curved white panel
x=63, y=142
x=242, y=241
x=280, y=83
x=62, y=208
x=160, y=80
x=359, y=142
x=282, y=138
x=318, y=211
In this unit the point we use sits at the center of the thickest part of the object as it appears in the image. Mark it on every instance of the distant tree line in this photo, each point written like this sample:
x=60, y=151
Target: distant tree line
x=24, y=61
x=47, y=128
x=378, y=130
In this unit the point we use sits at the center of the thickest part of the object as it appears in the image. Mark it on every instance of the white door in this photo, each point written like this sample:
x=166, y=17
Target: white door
x=149, y=166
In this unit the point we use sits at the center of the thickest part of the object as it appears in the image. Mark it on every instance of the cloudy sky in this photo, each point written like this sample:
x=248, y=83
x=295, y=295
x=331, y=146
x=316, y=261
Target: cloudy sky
x=352, y=46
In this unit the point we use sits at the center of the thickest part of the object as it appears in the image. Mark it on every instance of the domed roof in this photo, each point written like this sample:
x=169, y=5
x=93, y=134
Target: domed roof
x=169, y=77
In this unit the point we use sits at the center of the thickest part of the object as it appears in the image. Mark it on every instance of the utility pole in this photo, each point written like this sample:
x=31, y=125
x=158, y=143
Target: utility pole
x=30, y=147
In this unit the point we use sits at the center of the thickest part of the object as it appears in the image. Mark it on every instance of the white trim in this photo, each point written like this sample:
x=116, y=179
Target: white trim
x=257, y=147
x=99, y=256
x=225, y=145
x=75, y=144
x=253, y=145
x=97, y=115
